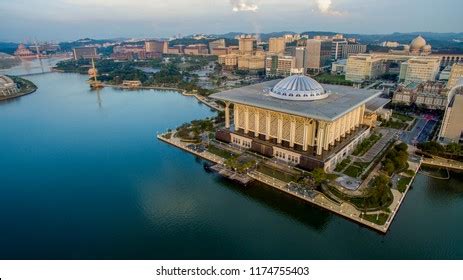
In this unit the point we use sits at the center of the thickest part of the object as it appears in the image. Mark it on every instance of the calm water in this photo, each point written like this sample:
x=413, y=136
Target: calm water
x=83, y=177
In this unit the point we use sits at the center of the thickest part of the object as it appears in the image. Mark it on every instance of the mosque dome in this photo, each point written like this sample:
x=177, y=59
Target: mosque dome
x=298, y=87
x=418, y=43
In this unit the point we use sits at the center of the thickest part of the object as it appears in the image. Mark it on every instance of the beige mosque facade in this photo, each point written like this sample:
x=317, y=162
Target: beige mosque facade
x=297, y=120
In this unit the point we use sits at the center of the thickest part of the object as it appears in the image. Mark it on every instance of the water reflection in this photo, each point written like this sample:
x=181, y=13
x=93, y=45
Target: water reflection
x=281, y=202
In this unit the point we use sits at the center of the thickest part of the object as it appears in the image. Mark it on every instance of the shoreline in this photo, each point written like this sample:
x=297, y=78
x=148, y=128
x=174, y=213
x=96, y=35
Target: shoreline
x=320, y=200
x=9, y=97
x=200, y=98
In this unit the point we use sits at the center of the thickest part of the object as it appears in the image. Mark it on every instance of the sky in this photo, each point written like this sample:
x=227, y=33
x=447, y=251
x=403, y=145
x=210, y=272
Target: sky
x=62, y=20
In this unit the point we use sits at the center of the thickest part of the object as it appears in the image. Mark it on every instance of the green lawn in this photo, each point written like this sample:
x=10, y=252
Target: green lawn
x=327, y=78
x=402, y=117
x=394, y=124
x=374, y=218
x=402, y=184
x=366, y=144
x=363, y=202
x=220, y=152
x=340, y=166
x=356, y=169
x=277, y=174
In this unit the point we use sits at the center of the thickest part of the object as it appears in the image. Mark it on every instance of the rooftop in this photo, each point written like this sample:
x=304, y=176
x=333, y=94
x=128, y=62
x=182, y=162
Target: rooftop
x=341, y=100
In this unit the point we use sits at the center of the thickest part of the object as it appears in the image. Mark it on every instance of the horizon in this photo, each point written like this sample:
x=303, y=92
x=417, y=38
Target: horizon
x=220, y=35
x=156, y=19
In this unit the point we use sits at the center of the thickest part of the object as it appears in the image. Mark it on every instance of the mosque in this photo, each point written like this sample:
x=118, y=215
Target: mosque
x=299, y=121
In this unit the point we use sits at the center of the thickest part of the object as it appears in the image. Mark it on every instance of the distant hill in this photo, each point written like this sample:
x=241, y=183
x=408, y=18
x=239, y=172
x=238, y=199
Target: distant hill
x=8, y=47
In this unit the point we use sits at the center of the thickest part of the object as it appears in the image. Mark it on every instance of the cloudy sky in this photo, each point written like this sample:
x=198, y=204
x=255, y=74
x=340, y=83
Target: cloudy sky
x=22, y=20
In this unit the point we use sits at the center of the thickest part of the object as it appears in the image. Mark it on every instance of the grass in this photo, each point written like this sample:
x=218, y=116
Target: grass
x=277, y=174
x=362, y=202
x=395, y=124
x=327, y=78
x=375, y=218
x=402, y=184
x=356, y=169
x=353, y=171
x=220, y=152
x=366, y=144
x=340, y=166
x=402, y=117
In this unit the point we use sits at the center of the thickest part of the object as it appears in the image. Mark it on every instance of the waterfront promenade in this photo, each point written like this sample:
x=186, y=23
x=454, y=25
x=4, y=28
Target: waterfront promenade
x=203, y=99
x=343, y=209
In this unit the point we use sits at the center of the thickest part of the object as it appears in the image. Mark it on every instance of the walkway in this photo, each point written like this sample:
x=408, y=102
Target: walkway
x=387, y=135
x=443, y=162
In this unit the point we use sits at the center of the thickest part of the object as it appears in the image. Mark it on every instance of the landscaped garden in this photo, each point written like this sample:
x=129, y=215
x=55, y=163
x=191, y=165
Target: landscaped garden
x=366, y=144
x=402, y=184
x=327, y=78
x=223, y=153
x=379, y=219
x=278, y=173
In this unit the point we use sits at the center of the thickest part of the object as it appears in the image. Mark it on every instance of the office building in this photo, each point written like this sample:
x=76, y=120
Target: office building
x=318, y=54
x=279, y=65
x=363, y=67
x=85, y=53
x=154, y=46
x=455, y=75
x=431, y=95
x=351, y=49
x=419, y=69
x=339, y=67
x=216, y=44
x=277, y=45
x=452, y=124
x=247, y=44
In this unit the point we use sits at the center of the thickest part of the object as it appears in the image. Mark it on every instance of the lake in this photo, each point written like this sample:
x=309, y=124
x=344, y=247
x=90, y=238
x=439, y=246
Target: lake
x=84, y=177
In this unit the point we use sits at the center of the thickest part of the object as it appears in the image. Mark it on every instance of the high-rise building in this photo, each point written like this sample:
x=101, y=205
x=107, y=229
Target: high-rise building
x=276, y=45
x=219, y=51
x=216, y=44
x=318, y=54
x=363, y=67
x=336, y=48
x=455, y=75
x=246, y=44
x=279, y=65
x=452, y=126
x=154, y=46
x=419, y=69
x=196, y=49
x=85, y=53
x=300, y=60
x=251, y=62
x=350, y=49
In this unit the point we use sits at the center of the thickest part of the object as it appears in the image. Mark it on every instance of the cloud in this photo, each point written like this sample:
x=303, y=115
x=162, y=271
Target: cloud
x=324, y=6
x=244, y=5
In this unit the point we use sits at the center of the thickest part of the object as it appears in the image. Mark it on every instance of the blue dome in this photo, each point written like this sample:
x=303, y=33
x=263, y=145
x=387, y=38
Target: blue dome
x=298, y=87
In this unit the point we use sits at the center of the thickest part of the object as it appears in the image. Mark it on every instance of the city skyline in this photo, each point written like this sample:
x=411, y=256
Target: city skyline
x=143, y=18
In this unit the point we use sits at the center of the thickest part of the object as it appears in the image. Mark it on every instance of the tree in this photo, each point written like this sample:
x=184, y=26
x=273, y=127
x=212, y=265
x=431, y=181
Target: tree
x=319, y=176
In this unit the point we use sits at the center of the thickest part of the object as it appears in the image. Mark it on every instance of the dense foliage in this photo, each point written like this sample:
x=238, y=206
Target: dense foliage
x=396, y=159
x=452, y=150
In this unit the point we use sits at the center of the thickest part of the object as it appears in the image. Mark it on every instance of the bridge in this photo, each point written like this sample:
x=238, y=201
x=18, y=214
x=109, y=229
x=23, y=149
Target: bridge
x=443, y=162
x=34, y=74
